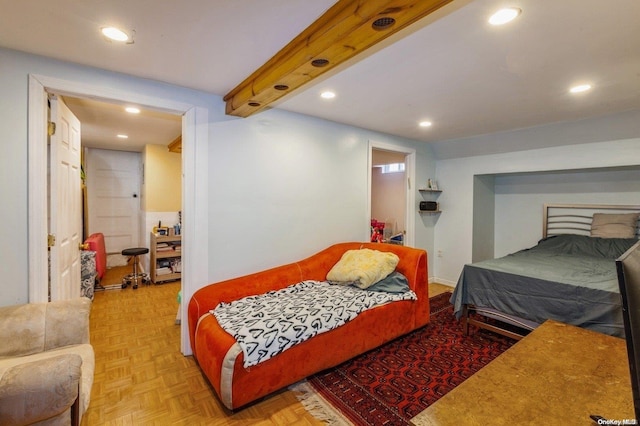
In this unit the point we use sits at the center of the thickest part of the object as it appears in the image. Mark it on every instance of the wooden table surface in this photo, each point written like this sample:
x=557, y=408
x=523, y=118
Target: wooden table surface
x=558, y=374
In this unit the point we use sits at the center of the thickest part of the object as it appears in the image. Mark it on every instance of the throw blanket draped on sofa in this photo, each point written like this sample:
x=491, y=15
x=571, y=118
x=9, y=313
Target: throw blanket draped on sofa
x=268, y=324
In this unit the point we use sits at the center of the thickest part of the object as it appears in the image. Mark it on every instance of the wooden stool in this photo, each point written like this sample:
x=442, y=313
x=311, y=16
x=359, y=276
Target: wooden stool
x=136, y=275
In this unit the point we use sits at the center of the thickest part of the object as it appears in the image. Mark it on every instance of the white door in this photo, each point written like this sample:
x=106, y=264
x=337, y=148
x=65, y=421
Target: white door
x=65, y=202
x=113, y=188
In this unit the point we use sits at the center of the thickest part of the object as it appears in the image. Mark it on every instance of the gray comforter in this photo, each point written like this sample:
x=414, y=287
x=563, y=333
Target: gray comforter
x=568, y=278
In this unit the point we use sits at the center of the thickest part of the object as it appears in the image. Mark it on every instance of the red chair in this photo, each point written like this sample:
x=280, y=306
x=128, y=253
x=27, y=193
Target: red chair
x=95, y=242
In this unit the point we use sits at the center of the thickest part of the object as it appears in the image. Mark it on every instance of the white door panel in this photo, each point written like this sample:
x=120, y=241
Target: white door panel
x=113, y=187
x=65, y=209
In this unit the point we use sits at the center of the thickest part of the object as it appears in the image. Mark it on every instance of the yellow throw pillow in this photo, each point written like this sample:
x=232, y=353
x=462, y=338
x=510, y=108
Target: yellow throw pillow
x=363, y=267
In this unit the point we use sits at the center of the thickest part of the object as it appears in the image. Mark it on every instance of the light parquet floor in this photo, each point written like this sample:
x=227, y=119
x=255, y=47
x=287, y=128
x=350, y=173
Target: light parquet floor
x=141, y=378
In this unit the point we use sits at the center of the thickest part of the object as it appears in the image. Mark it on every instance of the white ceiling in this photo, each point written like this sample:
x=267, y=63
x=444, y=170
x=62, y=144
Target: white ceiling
x=452, y=68
x=102, y=123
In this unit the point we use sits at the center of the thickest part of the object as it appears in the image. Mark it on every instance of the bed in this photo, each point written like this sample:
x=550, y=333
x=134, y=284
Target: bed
x=569, y=276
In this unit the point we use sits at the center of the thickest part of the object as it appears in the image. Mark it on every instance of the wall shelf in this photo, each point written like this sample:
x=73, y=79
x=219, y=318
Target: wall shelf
x=432, y=195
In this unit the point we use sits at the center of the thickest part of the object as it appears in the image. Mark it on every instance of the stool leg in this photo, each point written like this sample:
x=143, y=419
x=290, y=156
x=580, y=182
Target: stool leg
x=135, y=272
x=126, y=279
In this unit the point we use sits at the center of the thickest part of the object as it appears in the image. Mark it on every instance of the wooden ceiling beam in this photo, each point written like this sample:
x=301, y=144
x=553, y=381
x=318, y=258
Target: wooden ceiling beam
x=342, y=32
x=176, y=145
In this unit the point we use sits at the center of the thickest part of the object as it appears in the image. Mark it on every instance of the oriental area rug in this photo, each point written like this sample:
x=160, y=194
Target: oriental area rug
x=395, y=382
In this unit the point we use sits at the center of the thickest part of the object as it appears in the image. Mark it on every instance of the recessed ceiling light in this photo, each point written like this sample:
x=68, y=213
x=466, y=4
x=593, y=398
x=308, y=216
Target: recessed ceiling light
x=121, y=136
x=425, y=123
x=503, y=16
x=132, y=110
x=580, y=88
x=114, y=33
x=328, y=95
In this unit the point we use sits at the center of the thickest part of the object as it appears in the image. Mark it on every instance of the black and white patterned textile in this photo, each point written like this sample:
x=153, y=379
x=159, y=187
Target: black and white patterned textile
x=88, y=273
x=268, y=324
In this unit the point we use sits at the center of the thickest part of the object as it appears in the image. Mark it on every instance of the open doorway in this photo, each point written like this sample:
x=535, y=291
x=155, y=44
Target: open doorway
x=391, y=172
x=194, y=194
x=388, y=197
x=132, y=172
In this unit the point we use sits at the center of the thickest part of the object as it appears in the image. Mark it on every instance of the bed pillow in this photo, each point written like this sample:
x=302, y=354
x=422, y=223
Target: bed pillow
x=395, y=282
x=614, y=225
x=363, y=268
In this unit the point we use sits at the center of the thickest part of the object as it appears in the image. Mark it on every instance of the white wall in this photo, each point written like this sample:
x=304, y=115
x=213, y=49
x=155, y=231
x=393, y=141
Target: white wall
x=619, y=126
x=15, y=68
x=519, y=199
x=284, y=186
x=281, y=185
x=456, y=178
x=483, y=238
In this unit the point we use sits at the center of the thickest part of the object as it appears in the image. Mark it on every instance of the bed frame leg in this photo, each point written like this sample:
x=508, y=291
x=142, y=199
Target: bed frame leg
x=465, y=319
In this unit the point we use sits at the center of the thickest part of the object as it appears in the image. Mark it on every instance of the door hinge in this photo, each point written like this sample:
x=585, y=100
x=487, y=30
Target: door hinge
x=51, y=128
x=51, y=240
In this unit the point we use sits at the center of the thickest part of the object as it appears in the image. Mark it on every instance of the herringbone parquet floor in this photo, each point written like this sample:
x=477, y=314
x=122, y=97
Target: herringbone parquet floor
x=141, y=378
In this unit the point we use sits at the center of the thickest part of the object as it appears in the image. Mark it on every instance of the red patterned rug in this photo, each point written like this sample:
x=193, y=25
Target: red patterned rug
x=392, y=384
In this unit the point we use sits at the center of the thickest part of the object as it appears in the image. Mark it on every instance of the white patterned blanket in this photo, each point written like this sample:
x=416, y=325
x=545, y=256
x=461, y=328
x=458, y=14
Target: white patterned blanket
x=270, y=323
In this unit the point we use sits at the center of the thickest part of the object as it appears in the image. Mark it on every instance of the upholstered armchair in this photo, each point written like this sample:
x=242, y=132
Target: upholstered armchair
x=46, y=363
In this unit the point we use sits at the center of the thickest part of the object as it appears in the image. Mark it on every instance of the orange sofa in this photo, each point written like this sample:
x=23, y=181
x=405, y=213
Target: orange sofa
x=222, y=361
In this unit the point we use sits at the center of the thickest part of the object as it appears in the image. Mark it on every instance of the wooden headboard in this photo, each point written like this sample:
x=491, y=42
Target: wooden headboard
x=576, y=218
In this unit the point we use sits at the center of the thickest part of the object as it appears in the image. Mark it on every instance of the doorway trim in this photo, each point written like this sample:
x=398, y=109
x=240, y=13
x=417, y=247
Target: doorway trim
x=195, y=136
x=410, y=170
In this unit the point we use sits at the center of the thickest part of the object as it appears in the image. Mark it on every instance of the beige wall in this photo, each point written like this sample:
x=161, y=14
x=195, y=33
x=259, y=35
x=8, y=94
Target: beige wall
x=380, y=157
x=162, y=188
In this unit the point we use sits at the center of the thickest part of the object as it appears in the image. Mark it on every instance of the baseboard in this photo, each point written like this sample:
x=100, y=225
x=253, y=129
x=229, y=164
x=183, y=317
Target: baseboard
x=442, y=281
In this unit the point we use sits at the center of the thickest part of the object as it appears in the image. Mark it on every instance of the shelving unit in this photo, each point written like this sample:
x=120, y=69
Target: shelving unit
x=160, y=256
x=433, y=192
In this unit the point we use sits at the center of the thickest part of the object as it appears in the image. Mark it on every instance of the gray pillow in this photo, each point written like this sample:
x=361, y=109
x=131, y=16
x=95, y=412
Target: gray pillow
x=395, y=282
